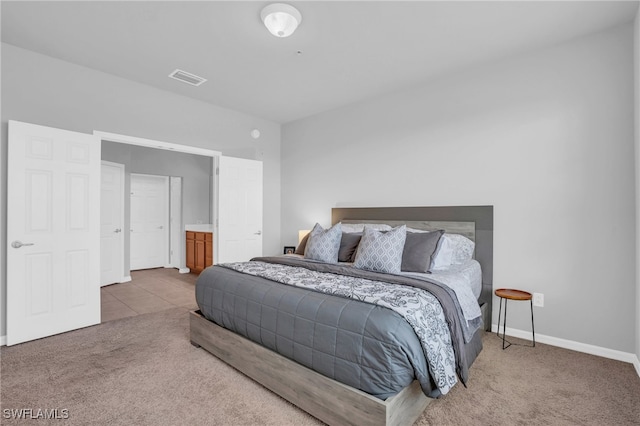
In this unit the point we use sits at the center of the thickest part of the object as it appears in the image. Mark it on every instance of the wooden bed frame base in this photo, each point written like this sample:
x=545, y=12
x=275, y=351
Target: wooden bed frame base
x=328, y=400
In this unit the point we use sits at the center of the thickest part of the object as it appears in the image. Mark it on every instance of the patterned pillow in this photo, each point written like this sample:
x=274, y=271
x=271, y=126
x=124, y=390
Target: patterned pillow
x=453, y=249
x=463, y=249
x=381, y=252
x=324, y=244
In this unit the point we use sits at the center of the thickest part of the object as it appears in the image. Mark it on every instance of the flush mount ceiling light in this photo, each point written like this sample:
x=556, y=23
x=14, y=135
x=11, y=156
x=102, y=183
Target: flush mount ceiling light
x=281, y=19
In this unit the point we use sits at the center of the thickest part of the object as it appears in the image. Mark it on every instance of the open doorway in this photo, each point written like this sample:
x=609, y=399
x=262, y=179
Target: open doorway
x=191, y=194
x=191, y=200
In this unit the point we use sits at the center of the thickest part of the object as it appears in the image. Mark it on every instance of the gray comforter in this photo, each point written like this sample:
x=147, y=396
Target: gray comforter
x=342, y=336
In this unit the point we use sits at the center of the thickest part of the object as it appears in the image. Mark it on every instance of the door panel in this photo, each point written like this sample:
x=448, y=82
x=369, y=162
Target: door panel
x=149, y=221
x=53, y=245
x=112, y=223
x=240, y=209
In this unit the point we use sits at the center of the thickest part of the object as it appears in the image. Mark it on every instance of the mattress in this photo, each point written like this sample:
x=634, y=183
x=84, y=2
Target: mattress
x=361, y=344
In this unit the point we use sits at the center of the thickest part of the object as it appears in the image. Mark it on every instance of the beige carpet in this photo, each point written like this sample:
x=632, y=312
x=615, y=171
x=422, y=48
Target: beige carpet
x=143, y=371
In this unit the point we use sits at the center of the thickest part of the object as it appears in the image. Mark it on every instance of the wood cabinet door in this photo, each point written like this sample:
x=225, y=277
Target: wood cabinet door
x=208, y=260
x=191, y=250
x=199, y=250
x=200, y=255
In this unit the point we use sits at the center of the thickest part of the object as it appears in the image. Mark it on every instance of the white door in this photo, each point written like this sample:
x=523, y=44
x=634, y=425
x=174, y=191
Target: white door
x=240, y=209
x=149, y=237
x=53, y=231
x=111, y=223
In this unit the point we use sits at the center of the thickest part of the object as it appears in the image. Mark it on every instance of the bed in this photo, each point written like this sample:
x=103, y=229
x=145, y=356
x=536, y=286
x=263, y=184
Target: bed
x=348, y=360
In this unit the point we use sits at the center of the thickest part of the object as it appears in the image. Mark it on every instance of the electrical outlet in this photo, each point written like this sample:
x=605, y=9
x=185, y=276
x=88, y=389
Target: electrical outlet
x=538, y=299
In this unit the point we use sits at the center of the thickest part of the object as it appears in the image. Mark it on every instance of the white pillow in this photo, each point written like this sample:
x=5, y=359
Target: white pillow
x=359, y=227
x=419, y=231
x=443, y=255
x=453, y=249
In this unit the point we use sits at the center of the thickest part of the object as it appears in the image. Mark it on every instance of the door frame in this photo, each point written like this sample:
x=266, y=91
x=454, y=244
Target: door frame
x=122, y=278
x=176, y=240
x=169, y=146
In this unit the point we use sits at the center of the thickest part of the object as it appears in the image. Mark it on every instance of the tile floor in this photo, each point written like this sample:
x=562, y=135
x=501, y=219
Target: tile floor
x=149, y=290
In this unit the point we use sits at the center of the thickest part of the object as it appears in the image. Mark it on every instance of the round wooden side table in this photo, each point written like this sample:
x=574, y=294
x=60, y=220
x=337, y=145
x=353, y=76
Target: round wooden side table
x=512, y=294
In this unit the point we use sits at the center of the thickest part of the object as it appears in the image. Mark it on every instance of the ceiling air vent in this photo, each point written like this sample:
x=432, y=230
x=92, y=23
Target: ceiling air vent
x=188, y=78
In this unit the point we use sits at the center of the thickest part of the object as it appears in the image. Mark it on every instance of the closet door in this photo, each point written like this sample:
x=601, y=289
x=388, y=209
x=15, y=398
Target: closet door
x=149, y=233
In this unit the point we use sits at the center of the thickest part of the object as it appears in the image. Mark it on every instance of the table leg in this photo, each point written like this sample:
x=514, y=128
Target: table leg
x=504, y=324
x=499, y=315
x=533, y=331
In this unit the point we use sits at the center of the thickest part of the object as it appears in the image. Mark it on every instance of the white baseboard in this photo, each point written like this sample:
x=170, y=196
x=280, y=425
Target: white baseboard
x=3, y=340
x=184, y=270
x=574, y=346
x=125, y=279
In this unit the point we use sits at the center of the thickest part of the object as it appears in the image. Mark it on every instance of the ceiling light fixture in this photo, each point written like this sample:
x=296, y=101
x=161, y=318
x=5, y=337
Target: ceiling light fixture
x=281, y=19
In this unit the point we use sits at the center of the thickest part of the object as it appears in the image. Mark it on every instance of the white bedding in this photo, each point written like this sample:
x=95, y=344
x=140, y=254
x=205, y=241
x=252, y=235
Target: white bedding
x=465, y=280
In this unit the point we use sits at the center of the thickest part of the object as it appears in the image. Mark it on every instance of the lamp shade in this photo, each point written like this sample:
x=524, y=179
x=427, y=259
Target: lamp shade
x=302, y=233
x=281, y=19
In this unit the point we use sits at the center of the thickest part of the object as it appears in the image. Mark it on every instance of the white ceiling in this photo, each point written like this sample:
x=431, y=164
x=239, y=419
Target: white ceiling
x=351, y=51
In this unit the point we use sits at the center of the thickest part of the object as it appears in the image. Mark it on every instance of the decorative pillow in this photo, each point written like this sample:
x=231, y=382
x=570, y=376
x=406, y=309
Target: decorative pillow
x=303, y=244
x=419, y=250
x=324, y=244
x=381, y=252
x=453, y=249
x=359, y=227
x=348, y=246
x=462, y=249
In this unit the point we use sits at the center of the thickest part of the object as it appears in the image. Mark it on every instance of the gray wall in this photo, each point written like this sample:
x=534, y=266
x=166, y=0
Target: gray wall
x=42, y=90
x=637, y=147
x=194, y=170
x=545, y=137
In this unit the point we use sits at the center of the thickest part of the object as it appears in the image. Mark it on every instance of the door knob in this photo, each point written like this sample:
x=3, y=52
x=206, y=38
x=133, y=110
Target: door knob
x=17, y=244
x=160, y=227
x=118, y=230
x=258, y=233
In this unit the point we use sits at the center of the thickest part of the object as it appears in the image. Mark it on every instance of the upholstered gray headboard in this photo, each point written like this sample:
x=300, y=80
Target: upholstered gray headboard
x=456, y=219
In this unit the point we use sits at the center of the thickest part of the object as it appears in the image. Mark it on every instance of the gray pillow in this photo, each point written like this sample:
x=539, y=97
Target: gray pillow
x=381, y=252
x=303, y=244
x=348, y=246
x=324, y=244
x=419, y=250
